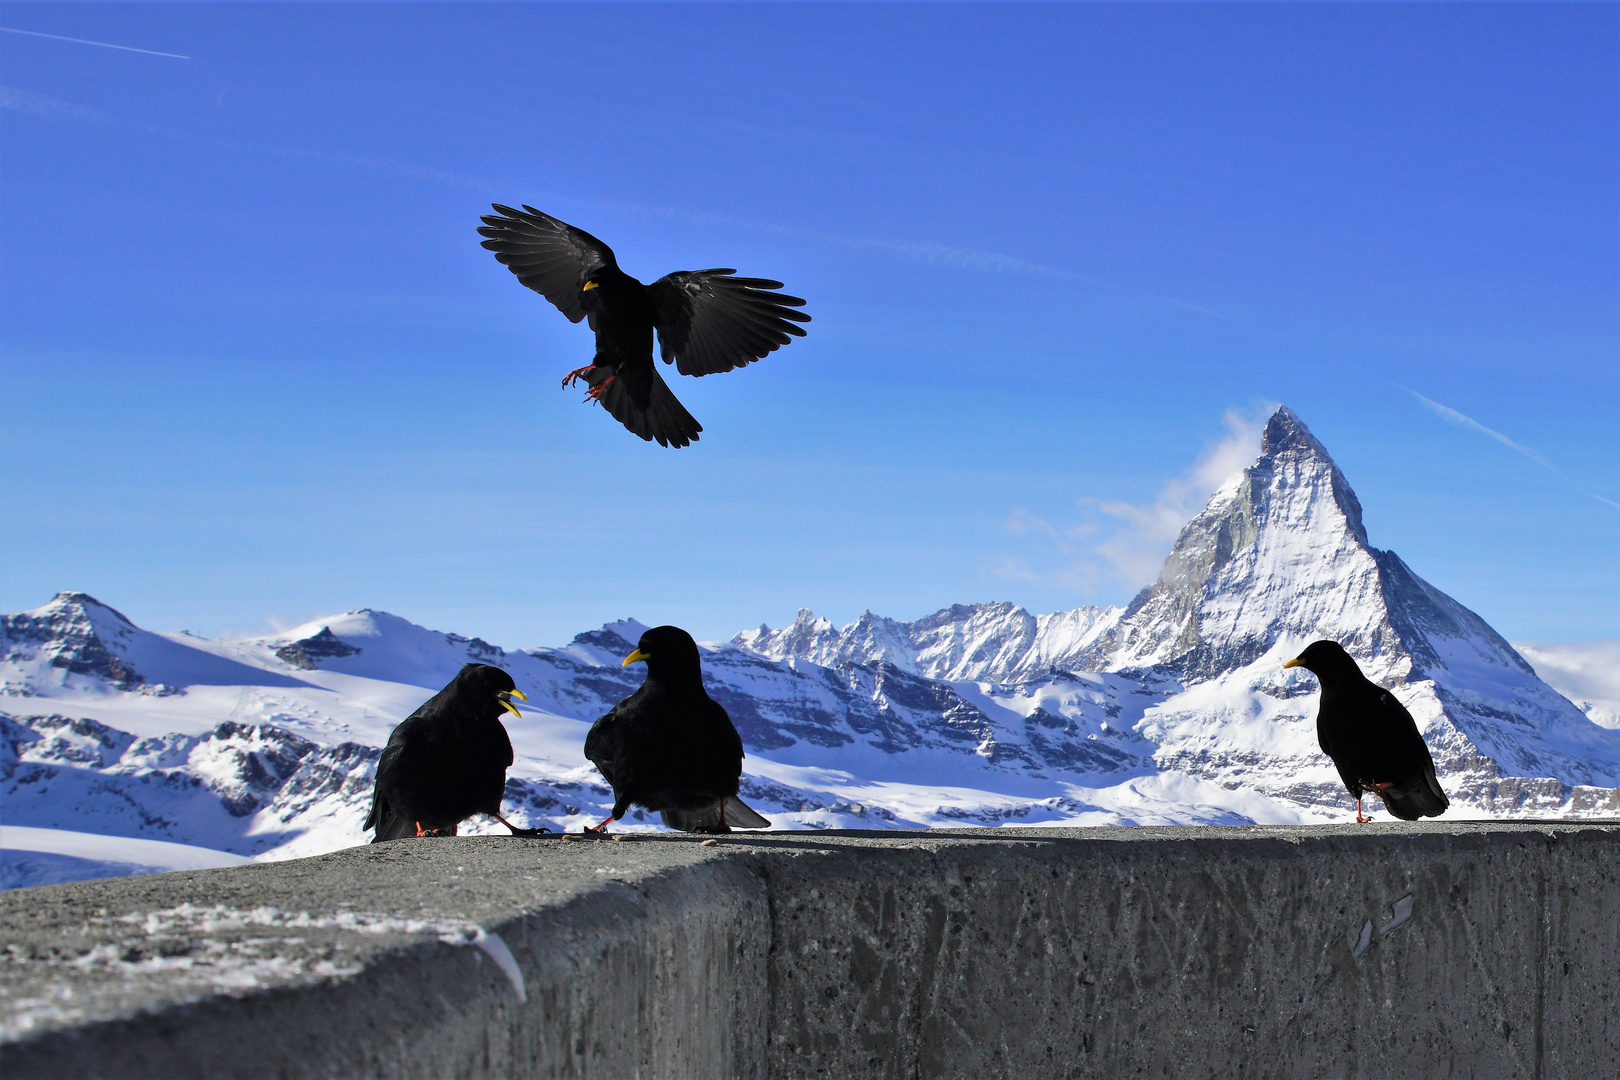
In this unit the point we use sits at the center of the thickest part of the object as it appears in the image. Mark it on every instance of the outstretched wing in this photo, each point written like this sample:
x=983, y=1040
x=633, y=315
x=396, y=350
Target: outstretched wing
x=549, y=256
x=709, y=321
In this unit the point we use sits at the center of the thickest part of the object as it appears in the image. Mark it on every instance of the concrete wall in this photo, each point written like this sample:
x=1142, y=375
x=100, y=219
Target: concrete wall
x=1017, y=953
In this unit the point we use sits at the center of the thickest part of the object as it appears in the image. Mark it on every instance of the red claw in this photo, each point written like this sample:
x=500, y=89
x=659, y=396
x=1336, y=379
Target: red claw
x=577, y=373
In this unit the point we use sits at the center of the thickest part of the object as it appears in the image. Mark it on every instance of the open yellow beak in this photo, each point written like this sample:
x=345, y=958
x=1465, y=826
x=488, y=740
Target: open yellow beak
x=506, y=702
x=587, y=287
x=633, y=657
x=1294, y=663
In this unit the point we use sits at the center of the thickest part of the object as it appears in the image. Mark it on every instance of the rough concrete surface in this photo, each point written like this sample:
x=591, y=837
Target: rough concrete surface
x=1463, y=949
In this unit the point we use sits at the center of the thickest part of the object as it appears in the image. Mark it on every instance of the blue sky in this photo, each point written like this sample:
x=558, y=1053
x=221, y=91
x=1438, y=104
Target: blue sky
x=1060, y=259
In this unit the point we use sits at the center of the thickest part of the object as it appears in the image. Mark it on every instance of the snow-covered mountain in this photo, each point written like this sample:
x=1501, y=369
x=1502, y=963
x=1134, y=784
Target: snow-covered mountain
x=1278, y=558
x=1175, y=708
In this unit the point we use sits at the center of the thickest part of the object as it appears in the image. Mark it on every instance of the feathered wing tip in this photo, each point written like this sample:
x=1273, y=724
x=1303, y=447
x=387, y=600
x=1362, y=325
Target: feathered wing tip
x=1419, y=797
x=739, y=815
x=742, y=816
x=711, y=321
x=664, y=419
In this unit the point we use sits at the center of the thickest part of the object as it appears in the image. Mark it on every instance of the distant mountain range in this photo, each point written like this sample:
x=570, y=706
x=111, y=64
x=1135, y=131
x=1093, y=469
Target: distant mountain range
x=1175, y=708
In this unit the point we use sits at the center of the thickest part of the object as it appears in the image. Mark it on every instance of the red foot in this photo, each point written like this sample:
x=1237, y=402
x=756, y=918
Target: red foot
x=601, y=826
x=577, y=373
x=1361, y=819
x=419, y=830
x=1385, y=784
x=595, y=393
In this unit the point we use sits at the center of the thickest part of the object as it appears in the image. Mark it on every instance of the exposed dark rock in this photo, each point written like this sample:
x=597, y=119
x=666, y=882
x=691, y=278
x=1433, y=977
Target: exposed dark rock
x=66, y=635
x=325, y=645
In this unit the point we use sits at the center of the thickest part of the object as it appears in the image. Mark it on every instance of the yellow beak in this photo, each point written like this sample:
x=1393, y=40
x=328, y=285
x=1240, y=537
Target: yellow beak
x=506, y=701
x=633, y=657
x=587, y=287
x=1296, y=662
x=520, y=695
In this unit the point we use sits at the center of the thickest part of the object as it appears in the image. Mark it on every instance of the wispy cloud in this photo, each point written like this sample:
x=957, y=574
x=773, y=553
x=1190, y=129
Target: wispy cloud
x=99, y=44
x=39, y=105
x=923, y=252
x=929, y=253
x=1451, y=415
x=1137, y=548
x=1123, y=541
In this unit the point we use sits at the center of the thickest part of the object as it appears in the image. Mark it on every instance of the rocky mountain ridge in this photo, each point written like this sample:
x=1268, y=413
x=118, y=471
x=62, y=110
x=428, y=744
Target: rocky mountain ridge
x=1174, y=708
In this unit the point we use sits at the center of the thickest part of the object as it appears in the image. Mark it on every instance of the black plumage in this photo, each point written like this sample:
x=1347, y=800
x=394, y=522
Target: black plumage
x=1372, y=739
x=707, y=321
x=669, y=746
x=447, y=760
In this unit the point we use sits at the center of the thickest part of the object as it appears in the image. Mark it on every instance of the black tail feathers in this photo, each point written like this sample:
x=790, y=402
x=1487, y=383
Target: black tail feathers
x=663, y=418
x=737, y=815
x=1418, y=796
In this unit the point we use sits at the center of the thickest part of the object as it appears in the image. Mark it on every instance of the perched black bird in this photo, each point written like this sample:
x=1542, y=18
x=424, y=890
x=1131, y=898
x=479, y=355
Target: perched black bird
x=1372, y=739
x=447, y=760
x=707, y=320
x=669, y=746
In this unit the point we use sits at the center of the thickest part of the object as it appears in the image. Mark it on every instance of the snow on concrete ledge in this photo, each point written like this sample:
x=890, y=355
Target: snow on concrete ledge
x=1446, y=948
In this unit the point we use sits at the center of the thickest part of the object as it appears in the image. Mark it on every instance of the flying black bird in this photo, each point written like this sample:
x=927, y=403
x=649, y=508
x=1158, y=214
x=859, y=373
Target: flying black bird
x=447, y=760
x=707, y=320
x=1372, y=739
x=669, y=746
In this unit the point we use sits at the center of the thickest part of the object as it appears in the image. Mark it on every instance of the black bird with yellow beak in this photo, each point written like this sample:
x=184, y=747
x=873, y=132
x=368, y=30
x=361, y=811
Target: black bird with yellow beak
x=447, y=761
x=1373, y=741
x=708, y=321
x=669, y=746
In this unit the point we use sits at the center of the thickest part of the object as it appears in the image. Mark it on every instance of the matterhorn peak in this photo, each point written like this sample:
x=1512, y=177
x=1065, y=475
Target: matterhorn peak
x=1279, y=557
x=1272, y=556
x=1287, y=444
x=1285, y=432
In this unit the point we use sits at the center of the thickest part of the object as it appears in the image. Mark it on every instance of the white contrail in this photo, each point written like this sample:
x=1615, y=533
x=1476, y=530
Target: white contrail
x=83, y=41
x=1455, y=417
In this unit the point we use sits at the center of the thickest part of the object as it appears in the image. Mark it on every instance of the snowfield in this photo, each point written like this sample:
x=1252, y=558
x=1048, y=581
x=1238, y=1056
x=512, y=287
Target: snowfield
x=1172, y=710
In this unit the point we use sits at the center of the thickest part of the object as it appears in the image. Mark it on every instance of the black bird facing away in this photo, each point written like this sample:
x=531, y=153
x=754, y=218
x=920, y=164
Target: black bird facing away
x=447, y=760
x=1372, y=739
x=669, y=746
x=707, y=321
